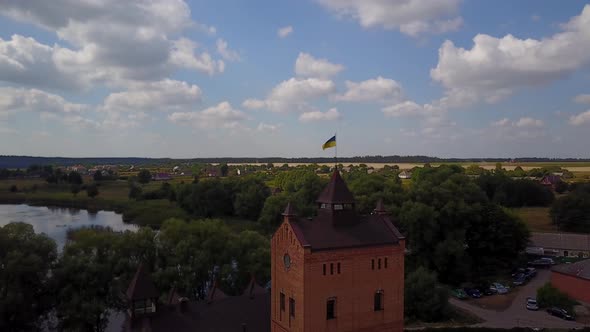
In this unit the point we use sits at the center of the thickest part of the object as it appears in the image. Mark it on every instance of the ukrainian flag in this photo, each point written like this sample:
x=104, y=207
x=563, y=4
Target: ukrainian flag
x=330, y=143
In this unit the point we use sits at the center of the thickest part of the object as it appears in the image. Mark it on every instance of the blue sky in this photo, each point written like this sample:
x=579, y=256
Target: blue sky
x=173, y=78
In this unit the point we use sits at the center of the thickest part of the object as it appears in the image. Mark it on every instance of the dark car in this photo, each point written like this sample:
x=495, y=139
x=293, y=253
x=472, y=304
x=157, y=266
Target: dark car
x=561, y=313
x=519, y=279
x=488, y=290
x=530, y=272
x=542, y=262
x=473, y=292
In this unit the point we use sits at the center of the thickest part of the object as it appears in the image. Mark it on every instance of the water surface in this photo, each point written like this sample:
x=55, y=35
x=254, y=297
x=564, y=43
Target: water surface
x=55, y=221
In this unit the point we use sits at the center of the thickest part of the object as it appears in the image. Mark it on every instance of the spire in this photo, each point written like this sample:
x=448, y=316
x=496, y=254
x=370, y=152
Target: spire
x=336, y=191
x=380, y=208
x=141, y=287
x=289, y=211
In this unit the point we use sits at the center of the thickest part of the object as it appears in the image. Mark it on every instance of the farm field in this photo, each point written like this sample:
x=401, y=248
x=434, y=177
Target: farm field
x=537, y=218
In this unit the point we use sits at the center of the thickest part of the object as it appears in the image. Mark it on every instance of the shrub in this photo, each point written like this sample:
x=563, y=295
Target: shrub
x=13, y=188
x=425, y=299
x=549, y=296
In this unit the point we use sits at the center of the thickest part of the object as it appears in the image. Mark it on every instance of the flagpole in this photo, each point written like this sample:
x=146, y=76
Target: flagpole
x=336, y=152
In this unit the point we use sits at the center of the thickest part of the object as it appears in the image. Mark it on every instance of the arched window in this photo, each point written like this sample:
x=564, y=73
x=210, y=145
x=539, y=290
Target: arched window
x=378, y=302
x=331, y=308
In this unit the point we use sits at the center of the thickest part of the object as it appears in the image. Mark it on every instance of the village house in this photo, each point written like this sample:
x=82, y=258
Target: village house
x=405, y=175
x=559, y=244
x=573, y=279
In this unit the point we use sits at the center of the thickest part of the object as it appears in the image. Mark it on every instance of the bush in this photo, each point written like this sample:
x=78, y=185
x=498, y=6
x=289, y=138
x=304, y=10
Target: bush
x=13, y=188
x=92, y=190
x=549, y=296
x=425, y=299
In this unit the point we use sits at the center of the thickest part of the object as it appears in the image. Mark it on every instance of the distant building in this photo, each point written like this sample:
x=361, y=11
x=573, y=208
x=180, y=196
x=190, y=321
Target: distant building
x=212, y=172
x=338, y=271
x=551, y=180
x=560, y=244
x=405, y=175
x=573, y=279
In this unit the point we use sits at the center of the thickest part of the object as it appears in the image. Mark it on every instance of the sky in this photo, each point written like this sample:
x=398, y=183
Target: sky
x=267, y=78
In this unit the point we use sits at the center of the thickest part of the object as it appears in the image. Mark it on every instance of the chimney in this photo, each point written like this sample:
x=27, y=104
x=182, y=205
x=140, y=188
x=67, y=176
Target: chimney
x=380, y=208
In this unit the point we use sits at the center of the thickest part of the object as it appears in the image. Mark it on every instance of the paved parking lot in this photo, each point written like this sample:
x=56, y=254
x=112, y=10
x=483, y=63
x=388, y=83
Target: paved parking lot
x=517, y=314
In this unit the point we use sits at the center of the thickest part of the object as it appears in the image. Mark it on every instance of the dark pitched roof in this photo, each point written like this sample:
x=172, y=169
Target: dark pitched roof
x=141, y=286
x=336, y=191
x=253, y=289
x=321, y=234
x=215, y=293
x=223, y=315
x=579, y=269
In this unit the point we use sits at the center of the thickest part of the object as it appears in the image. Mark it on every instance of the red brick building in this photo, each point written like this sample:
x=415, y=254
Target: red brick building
x=338, y=271
x=573, y=279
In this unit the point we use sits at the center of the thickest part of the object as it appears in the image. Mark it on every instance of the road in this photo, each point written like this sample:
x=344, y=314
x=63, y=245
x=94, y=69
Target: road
x=517, y=315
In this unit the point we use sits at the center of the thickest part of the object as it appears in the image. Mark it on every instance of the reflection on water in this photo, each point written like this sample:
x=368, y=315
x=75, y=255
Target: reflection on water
x=55, y=221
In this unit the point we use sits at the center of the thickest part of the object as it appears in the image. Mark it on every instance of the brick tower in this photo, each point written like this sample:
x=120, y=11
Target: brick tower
x=337, y=271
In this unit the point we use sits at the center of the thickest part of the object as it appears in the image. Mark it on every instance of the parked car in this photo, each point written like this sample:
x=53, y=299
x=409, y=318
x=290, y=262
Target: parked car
x=499, y=288
x=561, y=313
x=473, y=292
x=530, y=272
x=489, y=291
x=542, y=262
x=518, y=271
x=459, y=293
x=531, y=304
x=519, y=279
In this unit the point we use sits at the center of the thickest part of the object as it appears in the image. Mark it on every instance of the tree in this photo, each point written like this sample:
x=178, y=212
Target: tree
x=97, y=176
x=144, y=176
x=92, y=190
x=549, y=296
x=572, y=212
x=135, y=191
x=224, y=169
x=13, y=188
x=25, y=261
x=424, y=298
x=561, y=187
x=75, y=189
x=250, y=195
x=74, y=178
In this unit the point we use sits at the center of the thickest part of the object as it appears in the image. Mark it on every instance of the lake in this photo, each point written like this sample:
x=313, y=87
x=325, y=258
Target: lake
x=55, y=221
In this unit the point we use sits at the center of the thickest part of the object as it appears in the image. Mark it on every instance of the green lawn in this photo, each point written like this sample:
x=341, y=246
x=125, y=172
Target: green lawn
x=537, y=218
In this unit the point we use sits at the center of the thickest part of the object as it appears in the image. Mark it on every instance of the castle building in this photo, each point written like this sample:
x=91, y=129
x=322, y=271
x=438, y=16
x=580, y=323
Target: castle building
x=338, y=271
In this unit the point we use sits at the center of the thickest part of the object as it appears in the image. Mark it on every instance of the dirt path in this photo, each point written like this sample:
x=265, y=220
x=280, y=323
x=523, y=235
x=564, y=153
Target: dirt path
x=517, y=315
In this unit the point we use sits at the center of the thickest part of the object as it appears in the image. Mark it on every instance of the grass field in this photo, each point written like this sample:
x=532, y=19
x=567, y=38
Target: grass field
x=537, y=218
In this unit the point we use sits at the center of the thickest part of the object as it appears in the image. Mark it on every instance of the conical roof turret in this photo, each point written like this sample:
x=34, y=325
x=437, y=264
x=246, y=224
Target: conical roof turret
x=336, y=191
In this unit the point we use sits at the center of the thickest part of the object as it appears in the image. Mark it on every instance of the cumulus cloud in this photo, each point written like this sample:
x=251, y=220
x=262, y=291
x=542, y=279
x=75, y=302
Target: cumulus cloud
x=580, y=119
x=293, y=95
x=267, y=127
x=285, y=31
x=111, y=40
x=222, y=115
x=330, y=115
x=525, y=122
x=165, y=95
x=412, y=17
x=14, y=100
x=373, y=90
x=406, y=108
x=582, y=99
x=225, y=52
x=496, y=67
x=308, y=66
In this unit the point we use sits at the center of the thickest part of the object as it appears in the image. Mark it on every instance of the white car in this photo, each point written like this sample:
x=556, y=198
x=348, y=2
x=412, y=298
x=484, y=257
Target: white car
x=531, y=304
x=499, y=288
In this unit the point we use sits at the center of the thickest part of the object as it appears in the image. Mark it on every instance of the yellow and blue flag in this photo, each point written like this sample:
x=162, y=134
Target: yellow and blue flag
x=330, y=143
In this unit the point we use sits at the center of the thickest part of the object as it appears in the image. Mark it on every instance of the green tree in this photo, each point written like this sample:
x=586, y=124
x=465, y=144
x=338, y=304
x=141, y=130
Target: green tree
x=561, y=187
x=74, y=177
x=92, y=190
x=135, y=191
x=144, y=176
x=572, y=212
x=13, y=188
x=97, y=176
x=250, y=195
x=549, y=296
x=25, y=262
x=75, y=189
x=424, y=298
x=224, y=169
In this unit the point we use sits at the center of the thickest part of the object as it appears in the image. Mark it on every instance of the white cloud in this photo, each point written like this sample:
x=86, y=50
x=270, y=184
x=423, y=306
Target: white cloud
x=112, y=41
x=373, y=90
x=14, y=100
x=535, y=18
x=412, y=17
x=330, y=115
x=525, y=122
x=580, y=119
x=501, y=123
x=285, y=31
x=582, y=99
x=165, y=95
x=222, y=115
x=293, y=95
x=495, y=67
x=267, y=127
x=406, y=108
x=308, y=66
x=224, y=50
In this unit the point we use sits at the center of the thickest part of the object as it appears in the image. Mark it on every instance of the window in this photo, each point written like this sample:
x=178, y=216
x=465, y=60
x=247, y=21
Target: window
x=372, y=264
x=385, y=262
x=378, y=304
x=324, y=269
x=347, y=206
x=282, y=302
x=331, y=268
x=338, y=207
x=323, y=206
x=338, y=267
x=292, y=307
x=379, y=263
x=331, y=308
